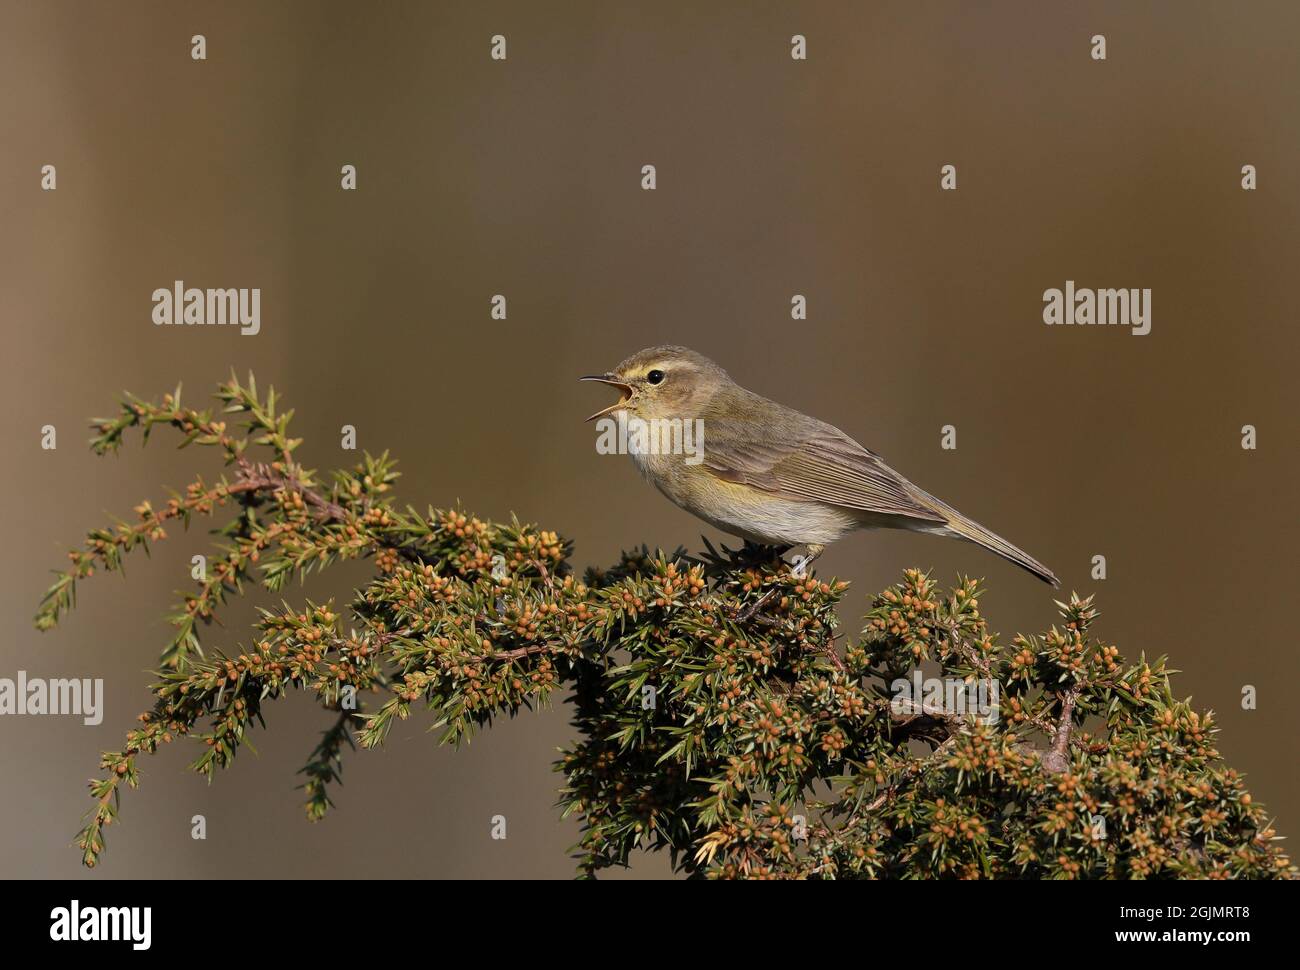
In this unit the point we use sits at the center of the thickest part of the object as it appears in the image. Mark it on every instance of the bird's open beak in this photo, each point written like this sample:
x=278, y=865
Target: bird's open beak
x=624, y=389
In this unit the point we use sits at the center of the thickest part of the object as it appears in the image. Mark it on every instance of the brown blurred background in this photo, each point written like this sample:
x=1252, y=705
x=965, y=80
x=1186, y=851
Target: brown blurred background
x=775, y=177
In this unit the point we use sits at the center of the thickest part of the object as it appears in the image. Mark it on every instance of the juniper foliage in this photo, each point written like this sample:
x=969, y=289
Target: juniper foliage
x=720, y=713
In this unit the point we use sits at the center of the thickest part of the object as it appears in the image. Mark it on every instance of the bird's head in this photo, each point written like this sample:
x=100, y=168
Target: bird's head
x=662, y=382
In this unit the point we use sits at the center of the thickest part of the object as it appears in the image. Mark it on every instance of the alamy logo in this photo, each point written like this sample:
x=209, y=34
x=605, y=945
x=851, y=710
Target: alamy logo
x=72, y=924
x=656, y=436
x=210, y=307
x=36, y=695
x=1085, y=307
x=946, y=696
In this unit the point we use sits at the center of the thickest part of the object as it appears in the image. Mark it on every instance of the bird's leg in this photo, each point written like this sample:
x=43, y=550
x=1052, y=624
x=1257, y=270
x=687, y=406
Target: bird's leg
x=748, y=613
x=799, y=568
x=801, y=563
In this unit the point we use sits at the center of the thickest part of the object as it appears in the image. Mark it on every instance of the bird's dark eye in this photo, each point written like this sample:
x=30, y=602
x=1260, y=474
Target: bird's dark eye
x=655, y=377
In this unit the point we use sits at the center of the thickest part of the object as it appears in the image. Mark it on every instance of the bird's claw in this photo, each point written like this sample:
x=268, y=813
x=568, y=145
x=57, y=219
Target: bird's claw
x=750, y=611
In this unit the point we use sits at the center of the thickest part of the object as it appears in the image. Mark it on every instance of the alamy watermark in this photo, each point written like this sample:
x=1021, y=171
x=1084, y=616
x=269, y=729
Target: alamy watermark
x=81, y=697
x=1084, y=307
x=955, y=696
x=625, y=434
x=211, y=307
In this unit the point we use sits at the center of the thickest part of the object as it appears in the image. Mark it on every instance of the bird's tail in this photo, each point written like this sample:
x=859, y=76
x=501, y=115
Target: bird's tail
x=964, y=528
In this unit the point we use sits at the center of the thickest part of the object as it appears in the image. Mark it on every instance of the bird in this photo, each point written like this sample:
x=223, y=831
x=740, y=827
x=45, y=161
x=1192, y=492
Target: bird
x=766, y=472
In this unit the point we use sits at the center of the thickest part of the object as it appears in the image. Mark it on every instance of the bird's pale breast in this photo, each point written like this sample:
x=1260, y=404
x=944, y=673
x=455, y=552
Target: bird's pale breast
x=743, y=510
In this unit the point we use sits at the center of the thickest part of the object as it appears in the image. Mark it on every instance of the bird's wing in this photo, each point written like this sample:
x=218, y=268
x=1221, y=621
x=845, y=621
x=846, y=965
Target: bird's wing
x=812, y=461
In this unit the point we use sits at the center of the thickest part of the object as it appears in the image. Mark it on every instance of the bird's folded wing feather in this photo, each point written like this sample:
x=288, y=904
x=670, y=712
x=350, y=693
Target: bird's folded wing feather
x=819, y=464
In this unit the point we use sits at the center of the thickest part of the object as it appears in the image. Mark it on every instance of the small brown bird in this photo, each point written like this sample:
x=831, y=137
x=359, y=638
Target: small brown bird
x=766, y=472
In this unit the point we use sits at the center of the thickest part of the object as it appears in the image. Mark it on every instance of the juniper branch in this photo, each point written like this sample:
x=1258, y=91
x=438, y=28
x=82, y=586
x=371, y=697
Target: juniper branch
x=710, y=697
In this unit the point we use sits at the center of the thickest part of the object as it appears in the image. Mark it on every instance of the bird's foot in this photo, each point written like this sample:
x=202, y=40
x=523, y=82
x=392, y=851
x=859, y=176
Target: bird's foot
x=799, y=568
x=750, y=611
